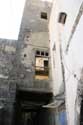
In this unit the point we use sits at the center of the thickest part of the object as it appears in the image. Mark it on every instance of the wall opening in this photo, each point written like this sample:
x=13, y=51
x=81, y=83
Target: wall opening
x=62, y=17
x=41, y=65
x=44, y=15
x=28, y=108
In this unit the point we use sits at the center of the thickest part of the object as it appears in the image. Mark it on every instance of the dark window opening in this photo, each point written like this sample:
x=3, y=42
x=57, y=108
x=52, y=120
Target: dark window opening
x=62, y=17
x=46, y=54
x=44, y=15
x=42, y=53
x=37, y=52
x=46, y=63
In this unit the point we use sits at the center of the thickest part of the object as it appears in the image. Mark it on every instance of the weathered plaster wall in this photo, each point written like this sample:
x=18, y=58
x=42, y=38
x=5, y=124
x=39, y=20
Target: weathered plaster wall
x=26, y=55
x=56, y=69
x=31, y=20
x=40, y=39
x=17, y=58
x=72, y=60
x=33, y=35
x=16, y=69
x=71, y=33
x=7, y=81
x=73, y=74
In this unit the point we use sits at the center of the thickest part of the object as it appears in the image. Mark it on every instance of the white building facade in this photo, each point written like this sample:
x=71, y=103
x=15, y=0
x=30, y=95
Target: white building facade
x=66, y=47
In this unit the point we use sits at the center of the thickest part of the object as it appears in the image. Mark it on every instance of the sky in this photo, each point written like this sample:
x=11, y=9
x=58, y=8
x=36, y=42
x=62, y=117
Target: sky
x=48, y=0
x=11, y=12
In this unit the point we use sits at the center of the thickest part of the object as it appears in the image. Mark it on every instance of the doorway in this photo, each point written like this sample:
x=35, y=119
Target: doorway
x=29, y=110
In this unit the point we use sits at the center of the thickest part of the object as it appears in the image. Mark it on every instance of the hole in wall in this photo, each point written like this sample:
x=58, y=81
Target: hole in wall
x=44, y=15
x=42, y=53
x=37, y=52
x=46, y=54
x=62, y=17
x=25, y=55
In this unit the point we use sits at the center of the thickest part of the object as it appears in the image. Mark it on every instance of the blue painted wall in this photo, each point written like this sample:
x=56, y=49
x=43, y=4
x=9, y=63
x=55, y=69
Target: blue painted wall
x=61, y=118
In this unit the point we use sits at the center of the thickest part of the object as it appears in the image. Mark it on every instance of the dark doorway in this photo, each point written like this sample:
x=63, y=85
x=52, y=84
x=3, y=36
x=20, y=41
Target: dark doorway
x=46, y=63
x=28, y=118
x=29, y=110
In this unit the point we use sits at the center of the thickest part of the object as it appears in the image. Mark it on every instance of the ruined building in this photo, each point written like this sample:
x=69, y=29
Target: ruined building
x=41, y=72
x=25, y=86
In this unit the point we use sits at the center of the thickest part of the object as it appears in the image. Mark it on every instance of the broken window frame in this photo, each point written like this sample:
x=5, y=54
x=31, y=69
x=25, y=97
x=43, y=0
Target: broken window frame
x=42, y=70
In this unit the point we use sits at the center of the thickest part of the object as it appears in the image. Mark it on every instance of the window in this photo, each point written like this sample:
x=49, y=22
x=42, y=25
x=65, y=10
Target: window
x=45, y=63
x=37, y=52
x=46, y=54
x=44, y=15
x=41, y=66
x=42, y=53
x=62, y=17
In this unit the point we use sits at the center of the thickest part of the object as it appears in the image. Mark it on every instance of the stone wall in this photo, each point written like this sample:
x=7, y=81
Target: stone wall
x=26, y=50
x=17, y=58
x=17, y=63
x=7, y=83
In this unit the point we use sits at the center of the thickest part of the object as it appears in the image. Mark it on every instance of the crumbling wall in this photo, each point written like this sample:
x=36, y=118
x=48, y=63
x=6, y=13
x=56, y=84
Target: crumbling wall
x=26, y=50
x=17, y=60
x=7, y=83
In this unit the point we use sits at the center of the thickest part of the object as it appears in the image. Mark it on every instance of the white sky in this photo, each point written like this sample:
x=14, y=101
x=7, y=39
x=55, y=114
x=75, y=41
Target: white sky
x=10, y=18
x=48, y=0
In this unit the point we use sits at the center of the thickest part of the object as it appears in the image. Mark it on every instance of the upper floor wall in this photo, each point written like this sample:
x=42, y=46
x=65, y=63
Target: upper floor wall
x=54, y=34
x=33, y=42
x=68, y=36
x=61, y=33
x=35, y=17
x=33, y=36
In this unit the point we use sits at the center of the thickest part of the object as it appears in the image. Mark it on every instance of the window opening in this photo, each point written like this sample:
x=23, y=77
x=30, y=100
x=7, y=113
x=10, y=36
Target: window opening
x=44, y=15
x=62, y=17
x=41, y=66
